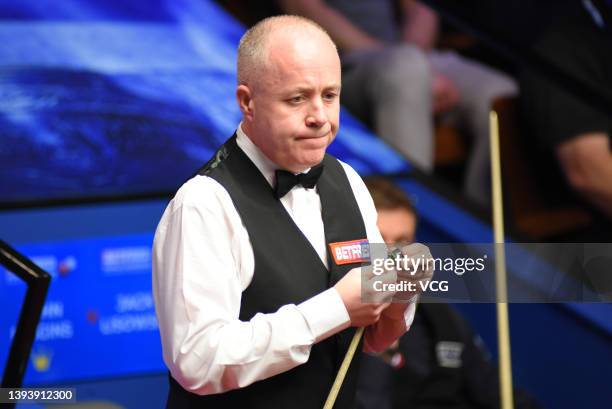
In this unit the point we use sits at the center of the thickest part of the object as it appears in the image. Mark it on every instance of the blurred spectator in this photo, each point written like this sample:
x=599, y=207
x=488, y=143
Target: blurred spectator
x=394, y=80
x=440, y=362
x=577, y=134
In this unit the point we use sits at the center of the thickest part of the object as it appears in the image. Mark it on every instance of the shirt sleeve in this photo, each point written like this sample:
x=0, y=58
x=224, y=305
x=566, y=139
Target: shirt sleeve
x=202, y=261
x=365, y=202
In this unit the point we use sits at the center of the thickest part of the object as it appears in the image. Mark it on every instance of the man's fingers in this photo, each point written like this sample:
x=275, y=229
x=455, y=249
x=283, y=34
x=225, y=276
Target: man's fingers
x=416, y=250
x=382, y=307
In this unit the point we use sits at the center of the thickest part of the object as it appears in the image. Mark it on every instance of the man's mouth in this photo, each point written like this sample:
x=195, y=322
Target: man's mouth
x=324, y=135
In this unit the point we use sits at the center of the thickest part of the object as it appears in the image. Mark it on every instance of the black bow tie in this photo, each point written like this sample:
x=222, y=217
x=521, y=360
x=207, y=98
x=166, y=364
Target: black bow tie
x=285, y=181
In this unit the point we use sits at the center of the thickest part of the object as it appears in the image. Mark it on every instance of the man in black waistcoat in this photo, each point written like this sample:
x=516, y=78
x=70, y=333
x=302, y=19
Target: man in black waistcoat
x=255, y=261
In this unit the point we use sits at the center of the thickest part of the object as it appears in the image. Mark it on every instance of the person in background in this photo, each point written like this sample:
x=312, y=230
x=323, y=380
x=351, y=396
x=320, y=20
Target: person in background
x=440, y=362
x=564, y=125
x=395, y=80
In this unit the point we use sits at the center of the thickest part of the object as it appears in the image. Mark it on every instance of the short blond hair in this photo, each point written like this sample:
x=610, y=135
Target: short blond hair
x=252, y=50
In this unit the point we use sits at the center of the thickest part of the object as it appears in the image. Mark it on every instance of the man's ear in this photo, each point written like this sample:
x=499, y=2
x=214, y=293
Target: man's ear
x=245, y=100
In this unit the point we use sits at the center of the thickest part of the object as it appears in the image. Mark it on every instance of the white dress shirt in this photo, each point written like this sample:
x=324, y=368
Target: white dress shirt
x=203, y=261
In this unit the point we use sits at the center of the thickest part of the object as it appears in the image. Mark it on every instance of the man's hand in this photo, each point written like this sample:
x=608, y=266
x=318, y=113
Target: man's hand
x=445, y=93
x=416, y=271
x=361, y=314
x=396, y=311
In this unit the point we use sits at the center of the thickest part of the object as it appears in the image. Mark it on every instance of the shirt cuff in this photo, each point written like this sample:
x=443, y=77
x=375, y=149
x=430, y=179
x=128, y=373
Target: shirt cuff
x=325, y=314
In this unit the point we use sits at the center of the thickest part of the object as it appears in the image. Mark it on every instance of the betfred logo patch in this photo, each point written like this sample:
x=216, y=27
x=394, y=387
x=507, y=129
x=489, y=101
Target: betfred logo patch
x=354, y=251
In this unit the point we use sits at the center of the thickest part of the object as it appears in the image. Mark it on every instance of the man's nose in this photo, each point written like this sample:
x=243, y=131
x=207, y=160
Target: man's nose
x=316, y=117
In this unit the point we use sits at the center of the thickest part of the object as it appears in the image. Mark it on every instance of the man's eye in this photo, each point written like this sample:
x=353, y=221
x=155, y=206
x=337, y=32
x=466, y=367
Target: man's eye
x=330, y=96
x=296, y=99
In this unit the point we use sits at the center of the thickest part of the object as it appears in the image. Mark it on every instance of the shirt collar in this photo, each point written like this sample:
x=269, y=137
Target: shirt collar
x=261, y=161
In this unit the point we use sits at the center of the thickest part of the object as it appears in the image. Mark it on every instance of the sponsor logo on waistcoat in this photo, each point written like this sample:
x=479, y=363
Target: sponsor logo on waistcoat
x=347, y=252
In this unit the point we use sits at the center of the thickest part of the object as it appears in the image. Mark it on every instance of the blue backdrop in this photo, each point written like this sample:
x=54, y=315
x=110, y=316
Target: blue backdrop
x=104, y=98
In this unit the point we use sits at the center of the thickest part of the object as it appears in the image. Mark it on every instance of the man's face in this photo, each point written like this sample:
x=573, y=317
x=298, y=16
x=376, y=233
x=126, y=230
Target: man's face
x=396, y=225
x=295, y=105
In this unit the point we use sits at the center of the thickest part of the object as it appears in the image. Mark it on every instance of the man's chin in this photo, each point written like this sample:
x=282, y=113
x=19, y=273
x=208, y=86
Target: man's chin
x=306, y=161
x=315, y=160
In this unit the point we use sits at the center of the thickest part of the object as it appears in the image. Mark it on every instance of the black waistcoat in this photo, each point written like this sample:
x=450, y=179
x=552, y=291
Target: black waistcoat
x=287, y=271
